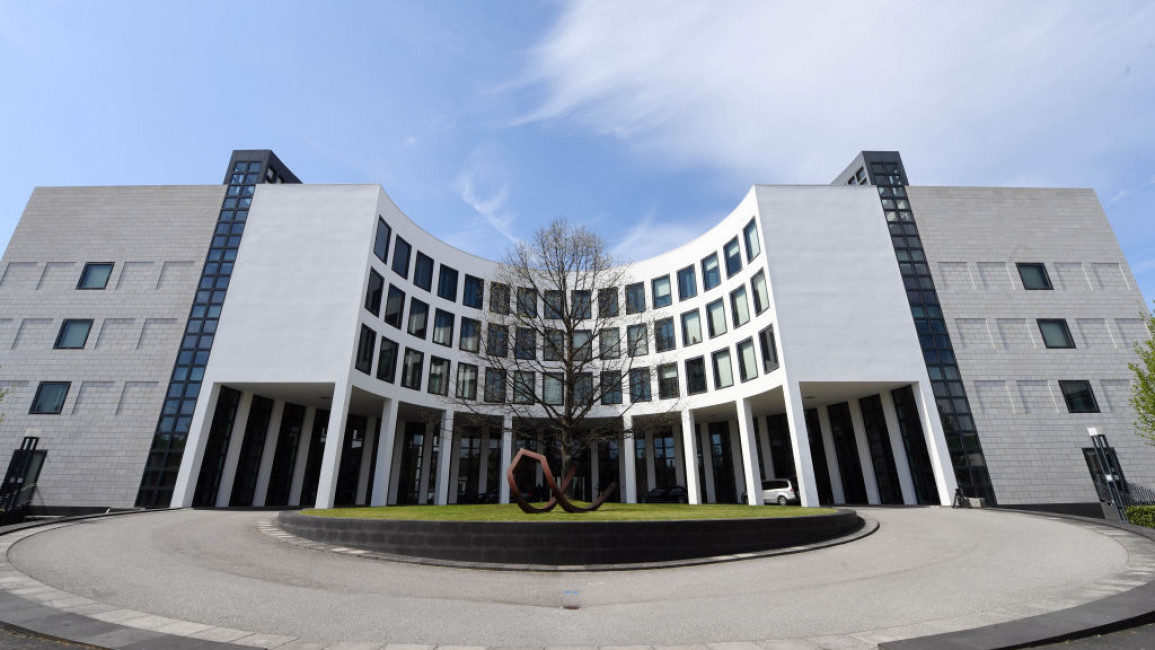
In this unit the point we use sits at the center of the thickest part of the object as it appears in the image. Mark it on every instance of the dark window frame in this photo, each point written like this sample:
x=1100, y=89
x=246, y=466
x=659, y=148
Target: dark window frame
x=37, y=408
x=1070, y=387
x=635, y=298
x=1069, y=341
x=423, y=271
x=473, y=295
x=447, y=283
x=402, y=251
x=65, y=326
x=379, y=249
x=687, y=284
x=88, y=267
x=1035, y=266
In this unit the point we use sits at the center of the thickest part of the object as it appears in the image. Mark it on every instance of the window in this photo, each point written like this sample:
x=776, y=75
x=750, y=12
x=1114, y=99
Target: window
x=95, y=276
x=411, y=369
x=394, y=307
x=747, y=365
x=733, y=257
x=73, y=334
x=499, y=298
x=525, y=343
x=635, y=298
x=1055, y=333
x=611, y=387
x=447, y=283
x=668, y=381
x=470, y=340
x=711, y=275
x=49, y=398
x=387, y=361
x=466, y=381
x=695, y=376
x=640, y=385
x=723, y=370
x=554, y=345
x=583, y=346
x=418, y=317
x=494, y=385
x=1034, y=276
x=581, y=301
x=554, y=303
x=438, y=376
x=609, y=343
x=661, y=289
x=664, y=335
x=474, y=292
x=761, y=293
x=523, y=387
x=636, y=340
x=443, y=328
x=739, y=307
x=423, y=271
x=608, y=302
x=1079, y=396
x=381, y=241
x=365, y=350
x=527, y=302
x=373, y=293
x=691, y=328
x=716, y=318
x=583, y=388
x=750, y=234
x=769, y=349
x=687, y=283
x=401, y=257
x=553, y=389
x=497, y=341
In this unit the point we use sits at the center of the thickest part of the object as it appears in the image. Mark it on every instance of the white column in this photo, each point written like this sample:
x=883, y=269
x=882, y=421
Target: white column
x=768, y=457
x=690, y=454
x=454, y=467
x=749, y=443
x=368, y=437
x=901, y=463
x=272, y=437
x=445, y=460
x=864, y=455
x=298, y=481
x=831, y=456
x=194, y=450
x=630, y=480
x=708, y=464
x=736, y=459
x=482, y=461
x=506, y=457
x=651, y=475
x=940, y=461
x=380, y=494
x=679, y=465
x=400, y=446
x=233, y=455
x=800, y=443
x=426, y=458
x=334, y=439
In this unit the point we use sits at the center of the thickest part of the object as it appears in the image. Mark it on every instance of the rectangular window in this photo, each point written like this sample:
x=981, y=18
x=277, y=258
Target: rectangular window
x=466, y=381
x=497, y=340
x=474, y=292
x=1055, y=333
x=395, y=307
x=554, y=303
x=635, y=298
x=687, y=283
x=401, y=251
x=1079, y=396
x=365, y=350
x=443, y=328
x=373, y=293
x=553, y=389
x=611, y=387
x=95, y=275
x=411, y=369
x=523, y=387
x=711, y=274
x=438, y=376
x=716, y=318
x=723, y=369
x=691, y=328
x=640, y=385
x=470, y=340
x=581, y=301
x=608, y=302
x=381, y=241
x=583, y=345
x=609, y=343
x=733, y=257
x=761, y=292
x=525, y=343
x=583, y=388
x=668, y=381
x=527, y=302
x=49, y=398
x=423, y=271
x=750, y=234
x=554, y=345
x=494, y=385
x=418, y=317
x=447, y=283
x=747, y=364
x=74, y=334
x=695, y=376
x=499, y=298
x=637, y=341
x=739, y=307
x=769, y=349
x=387, y=361
x=661, y=289
x=664, y=339
x=1034, y=276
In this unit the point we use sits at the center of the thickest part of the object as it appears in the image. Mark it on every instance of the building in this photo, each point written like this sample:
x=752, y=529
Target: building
x=267, y=342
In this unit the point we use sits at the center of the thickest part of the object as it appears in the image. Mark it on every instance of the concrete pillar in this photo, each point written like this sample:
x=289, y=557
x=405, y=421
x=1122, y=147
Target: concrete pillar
x=940, y=461
x=454, y=467
x=679, y=461
x=368, y=437
x=595, y=470
x=836, y=491
x=901, y=463
x=690, y=454
x=864, y=455
x=334, y=439
x=648, y=451
x=482, y=461
x=766, y=451
x=506, y=457
x=800, y=442
x=736, y=461
x=388, y=433
x=426, y=460
x=190, y=464
x=272, y=437
x=630, y=477
x=746, y=437
x=298, y=482
x=445, y=461
x=233, y=455
x=708, y=464
x=400, y=444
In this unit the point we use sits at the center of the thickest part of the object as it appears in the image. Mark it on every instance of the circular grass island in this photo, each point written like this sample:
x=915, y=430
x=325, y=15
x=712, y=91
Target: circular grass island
x=502, y=536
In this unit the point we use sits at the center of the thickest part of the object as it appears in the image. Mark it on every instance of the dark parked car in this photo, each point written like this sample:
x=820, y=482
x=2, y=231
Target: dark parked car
x=667, y=494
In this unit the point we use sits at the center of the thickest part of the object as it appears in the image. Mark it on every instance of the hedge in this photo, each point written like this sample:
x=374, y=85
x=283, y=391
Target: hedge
x=1141, y=515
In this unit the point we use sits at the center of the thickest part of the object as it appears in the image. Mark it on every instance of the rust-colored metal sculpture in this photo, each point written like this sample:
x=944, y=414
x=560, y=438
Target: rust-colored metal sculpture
x=557, y=494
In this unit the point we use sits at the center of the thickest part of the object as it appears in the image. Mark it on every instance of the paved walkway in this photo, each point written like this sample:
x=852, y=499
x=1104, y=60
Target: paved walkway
x=214, y=575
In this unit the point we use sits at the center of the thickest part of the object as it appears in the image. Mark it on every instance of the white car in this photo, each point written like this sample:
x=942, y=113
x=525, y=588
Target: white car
x=778, y=490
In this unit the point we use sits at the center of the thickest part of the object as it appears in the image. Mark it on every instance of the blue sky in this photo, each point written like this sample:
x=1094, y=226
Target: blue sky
x=647, y=120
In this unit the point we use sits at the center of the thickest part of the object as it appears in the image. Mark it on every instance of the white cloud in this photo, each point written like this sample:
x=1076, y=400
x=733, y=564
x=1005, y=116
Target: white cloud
x=645, y=239
x=478, y=185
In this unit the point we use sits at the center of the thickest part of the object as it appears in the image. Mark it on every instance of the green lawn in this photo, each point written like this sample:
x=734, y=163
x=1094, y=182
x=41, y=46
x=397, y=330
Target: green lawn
x=608, y=512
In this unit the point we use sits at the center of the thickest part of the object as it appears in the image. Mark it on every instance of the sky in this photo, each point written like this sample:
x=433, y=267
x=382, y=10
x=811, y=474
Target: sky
x=648, y=121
